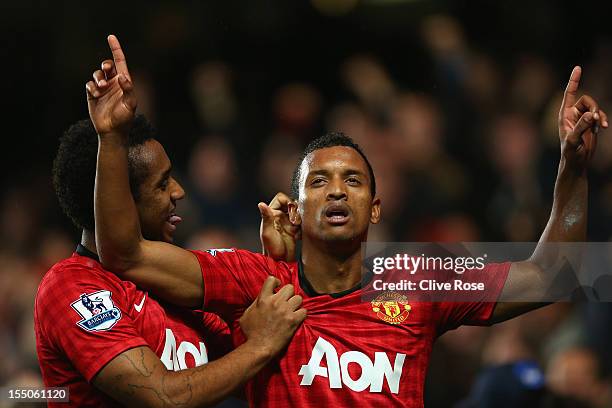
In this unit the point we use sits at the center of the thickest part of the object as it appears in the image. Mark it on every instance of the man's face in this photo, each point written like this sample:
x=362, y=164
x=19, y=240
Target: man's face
x=159, y=193
x=335, y=201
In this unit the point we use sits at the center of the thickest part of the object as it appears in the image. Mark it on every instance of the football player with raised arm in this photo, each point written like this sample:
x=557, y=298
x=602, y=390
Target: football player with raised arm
x=107, y=339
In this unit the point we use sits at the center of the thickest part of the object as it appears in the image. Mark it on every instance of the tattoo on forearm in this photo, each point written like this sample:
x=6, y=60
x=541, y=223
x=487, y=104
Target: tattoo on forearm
x=146, y=380
x=183, y=392
x=139, y=364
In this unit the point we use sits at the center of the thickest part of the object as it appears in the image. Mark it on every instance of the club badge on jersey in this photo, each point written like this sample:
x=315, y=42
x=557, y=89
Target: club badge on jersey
x=97, y=310
x=391, y=307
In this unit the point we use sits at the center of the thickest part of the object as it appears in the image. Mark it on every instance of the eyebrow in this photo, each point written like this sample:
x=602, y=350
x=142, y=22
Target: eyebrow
x=324, y=172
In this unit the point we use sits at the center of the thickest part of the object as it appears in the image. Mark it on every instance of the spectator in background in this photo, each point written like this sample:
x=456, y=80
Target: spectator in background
x=517, y=203
x=297, y=108
x=214, y=185
x=213, y=96
x=575, y=374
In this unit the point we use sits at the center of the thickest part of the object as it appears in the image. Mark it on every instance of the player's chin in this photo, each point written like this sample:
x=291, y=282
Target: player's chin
x=168, y=232
x=338, y=233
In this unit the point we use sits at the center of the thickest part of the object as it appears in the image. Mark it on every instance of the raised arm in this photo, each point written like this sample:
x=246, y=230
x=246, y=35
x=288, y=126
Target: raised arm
x=579, y=122
x=172, y=273
x=137, y=377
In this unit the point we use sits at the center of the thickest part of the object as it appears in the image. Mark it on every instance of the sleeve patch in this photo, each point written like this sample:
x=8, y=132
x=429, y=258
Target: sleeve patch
x=97, y=310
x=214, y=252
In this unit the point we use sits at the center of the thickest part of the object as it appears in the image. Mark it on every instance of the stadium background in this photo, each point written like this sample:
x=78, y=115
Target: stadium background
x=454, y=102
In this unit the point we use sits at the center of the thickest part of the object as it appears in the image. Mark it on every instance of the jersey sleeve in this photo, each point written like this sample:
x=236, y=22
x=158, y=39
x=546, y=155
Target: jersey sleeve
x=86, y=319
x=232, y=279
x=476, y=312
x=217, y=334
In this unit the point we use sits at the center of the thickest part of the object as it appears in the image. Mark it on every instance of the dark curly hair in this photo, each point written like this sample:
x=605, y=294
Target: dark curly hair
x=74, y=168
x=330, y=139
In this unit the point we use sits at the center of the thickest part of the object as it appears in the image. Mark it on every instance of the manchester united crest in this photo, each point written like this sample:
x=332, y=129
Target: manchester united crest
x=391, y=307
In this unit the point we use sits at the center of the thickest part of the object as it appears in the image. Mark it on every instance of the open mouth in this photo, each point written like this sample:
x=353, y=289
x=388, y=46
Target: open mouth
x=337, y=214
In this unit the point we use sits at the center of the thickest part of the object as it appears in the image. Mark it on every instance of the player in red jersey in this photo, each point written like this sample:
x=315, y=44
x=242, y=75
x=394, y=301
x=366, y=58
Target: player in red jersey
x=96, y=333
x=347, y=352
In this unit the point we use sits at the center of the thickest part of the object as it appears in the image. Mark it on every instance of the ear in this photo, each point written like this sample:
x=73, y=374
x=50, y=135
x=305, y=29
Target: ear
x=375, y=215
x=294, y=214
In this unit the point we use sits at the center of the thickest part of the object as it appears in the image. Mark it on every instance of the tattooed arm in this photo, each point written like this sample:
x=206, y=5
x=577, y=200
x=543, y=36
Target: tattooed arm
x=137, y=377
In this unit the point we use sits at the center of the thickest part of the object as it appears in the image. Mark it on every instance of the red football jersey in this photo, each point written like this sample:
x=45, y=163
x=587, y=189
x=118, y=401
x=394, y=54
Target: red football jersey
x=86, y=316
x=348, y=351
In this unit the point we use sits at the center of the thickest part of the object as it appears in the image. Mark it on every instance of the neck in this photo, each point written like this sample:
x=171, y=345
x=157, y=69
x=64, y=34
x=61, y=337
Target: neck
x=88, y=240
x=331, y=271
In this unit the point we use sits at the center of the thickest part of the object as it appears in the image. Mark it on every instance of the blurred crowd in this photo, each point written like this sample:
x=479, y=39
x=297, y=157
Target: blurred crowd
x=473, y=157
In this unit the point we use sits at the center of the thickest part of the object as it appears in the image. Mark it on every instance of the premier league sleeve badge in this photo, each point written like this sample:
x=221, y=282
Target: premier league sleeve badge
x=97, y=310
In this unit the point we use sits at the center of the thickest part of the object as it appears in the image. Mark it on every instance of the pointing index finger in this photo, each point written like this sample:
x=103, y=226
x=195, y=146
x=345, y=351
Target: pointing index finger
x=569, y=97
x=118, y=57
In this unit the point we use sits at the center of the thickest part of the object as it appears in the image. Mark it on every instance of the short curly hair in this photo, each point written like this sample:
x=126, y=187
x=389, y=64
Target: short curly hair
x=330, y=139
x=74, y=168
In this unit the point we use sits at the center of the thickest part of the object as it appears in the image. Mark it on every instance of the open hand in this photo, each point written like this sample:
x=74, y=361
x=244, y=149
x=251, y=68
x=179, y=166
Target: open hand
x=271, y=320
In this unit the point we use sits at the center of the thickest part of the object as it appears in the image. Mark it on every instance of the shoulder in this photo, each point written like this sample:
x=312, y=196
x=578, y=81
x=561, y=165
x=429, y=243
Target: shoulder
x=236, y=261
x=68, y=279
x=66, y=272
x=224, y=253
x=238, y=257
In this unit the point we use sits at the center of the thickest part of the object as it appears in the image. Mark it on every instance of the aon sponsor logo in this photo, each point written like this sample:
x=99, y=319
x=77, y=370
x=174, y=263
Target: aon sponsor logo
x=372, y=373
x=174, y=359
